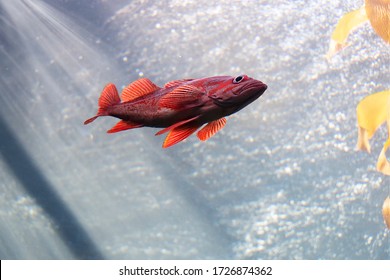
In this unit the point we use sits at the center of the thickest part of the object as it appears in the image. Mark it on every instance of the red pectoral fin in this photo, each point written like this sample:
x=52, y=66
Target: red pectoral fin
x=181, y=96
x=179, y=134
x=123, y=125
x=211, y=128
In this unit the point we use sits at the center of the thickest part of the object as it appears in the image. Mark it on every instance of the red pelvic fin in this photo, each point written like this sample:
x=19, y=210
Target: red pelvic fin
x=175, y=125
x=181, y=96
x=108, y=97
x=137, y=89
x=178, y=134
x=123, y=125
x=210, y=129
x=177, y=83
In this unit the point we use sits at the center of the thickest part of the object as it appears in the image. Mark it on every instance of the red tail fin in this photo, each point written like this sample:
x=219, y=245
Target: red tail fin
x=108, y=97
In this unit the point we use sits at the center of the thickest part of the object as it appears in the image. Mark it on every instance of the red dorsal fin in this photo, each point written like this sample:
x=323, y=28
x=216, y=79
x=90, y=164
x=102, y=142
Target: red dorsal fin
x=137, y=89
x=123, y=125
x=175, y=125
x=210, y=129
x=179, y=134
x=177, y=83
x=182, y=96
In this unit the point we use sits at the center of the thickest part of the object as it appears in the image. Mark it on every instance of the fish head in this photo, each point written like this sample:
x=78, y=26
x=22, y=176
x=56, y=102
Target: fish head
x=236, y=92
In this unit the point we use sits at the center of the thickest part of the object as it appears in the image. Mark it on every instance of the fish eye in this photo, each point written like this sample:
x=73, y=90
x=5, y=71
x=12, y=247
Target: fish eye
x=238, y=79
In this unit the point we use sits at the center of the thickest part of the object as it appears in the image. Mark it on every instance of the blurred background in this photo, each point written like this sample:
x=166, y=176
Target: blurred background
x=282, y=180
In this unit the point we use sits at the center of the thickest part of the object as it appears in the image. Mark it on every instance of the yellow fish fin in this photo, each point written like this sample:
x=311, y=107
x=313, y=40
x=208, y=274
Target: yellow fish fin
x=383, y=164
x=344, y=27
x=372, y=111
x=386, y=211
x=362, y=142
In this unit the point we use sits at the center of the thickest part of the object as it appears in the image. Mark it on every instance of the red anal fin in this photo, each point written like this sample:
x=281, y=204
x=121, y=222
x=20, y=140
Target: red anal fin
x=175, y=125
x=123, y=125
x=178, y=134
x=181, y=96
x=177, y=83
x=210, y=129
x=137, y=89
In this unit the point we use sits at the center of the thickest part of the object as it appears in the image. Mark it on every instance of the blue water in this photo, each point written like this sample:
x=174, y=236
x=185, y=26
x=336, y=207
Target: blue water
x=282, y=180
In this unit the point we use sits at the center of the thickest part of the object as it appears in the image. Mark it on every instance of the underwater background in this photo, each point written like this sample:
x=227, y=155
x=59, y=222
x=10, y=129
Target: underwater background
x=282, y=180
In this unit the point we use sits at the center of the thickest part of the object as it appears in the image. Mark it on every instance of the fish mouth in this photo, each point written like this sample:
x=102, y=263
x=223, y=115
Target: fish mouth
x=244, y=95
x=255, y=88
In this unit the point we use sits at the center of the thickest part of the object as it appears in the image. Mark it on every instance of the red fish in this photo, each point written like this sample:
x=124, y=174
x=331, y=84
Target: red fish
x=180, y=107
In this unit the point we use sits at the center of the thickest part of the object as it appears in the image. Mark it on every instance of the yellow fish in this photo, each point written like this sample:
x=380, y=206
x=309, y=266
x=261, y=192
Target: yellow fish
x=386, y=211
x=376, y=11
x=372, y=111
